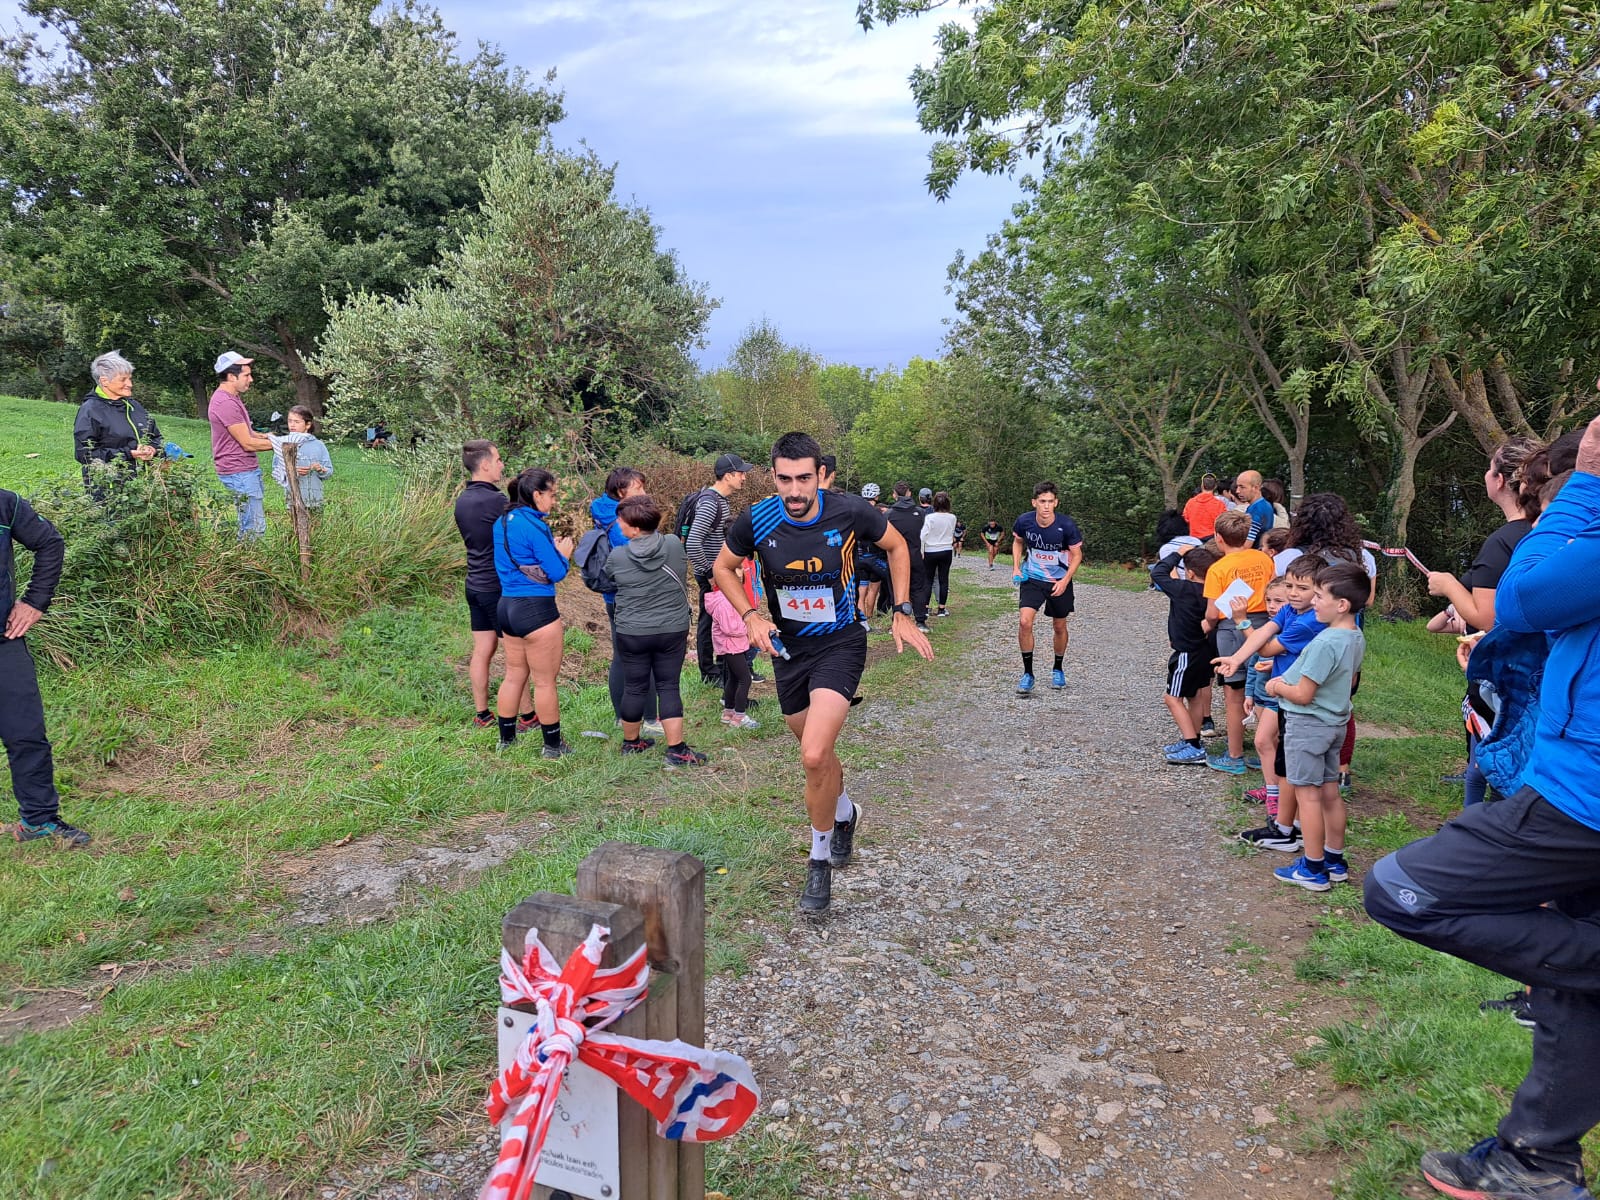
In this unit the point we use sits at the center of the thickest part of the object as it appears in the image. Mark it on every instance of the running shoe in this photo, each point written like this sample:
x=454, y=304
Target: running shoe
x=1257, y=795
x=756, y=676
x=735, y=720
x=1174, y=747
x=526, y=724
x=1225, y=763
x=943, y=612
x=819, y=885
x=505, y=744
x=651, y=729
x=1301, y=875
x=1338, y=870
x=70, y=834
x=483, y=722
x=1187, y=756
x=923, y=626
x=1519, y=1004
x=1488, y=1171
x=560, y=751
x=637, y=747
x=1025, y=684
x=844, y=838
x=687, y=757
x=1252, y=762
x=1270, y=837
x=1058, y=679
x=1208, y=728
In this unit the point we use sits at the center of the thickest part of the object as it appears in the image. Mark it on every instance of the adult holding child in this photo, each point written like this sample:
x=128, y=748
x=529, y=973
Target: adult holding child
x=652, y=626
x=529, y=561
x=112, y=427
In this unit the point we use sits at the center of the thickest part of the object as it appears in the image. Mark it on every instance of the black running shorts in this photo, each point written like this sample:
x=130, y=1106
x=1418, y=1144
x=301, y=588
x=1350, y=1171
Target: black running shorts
x=521, y=615
x=1036, y=592
x=1187, y=672
x=481, y=611
x=834, y=663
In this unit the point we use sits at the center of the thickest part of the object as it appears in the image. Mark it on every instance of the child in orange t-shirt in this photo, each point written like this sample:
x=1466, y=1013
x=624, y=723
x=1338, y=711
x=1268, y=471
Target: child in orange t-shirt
x=1255, y=570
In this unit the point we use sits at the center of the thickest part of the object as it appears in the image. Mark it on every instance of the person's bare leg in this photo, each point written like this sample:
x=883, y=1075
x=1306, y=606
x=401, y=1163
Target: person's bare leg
x=1182, y=717
x=1025, y=629
x=818, y=734
x=1312, y=826
x=543, y=650
x=1288, y=803
x=515, y=682
x=1334, y=816
x=1060, y=634
x=1267, y=743
x=483, y=643
x=1234, y=696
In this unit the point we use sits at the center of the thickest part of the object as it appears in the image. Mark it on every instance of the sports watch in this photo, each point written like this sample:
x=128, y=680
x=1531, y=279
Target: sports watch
x=905, y=609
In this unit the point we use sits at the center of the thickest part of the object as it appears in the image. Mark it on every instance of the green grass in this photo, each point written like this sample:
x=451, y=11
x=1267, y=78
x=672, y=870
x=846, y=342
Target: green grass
x=1113, y=575
x=1410, y=679
x=37, y=448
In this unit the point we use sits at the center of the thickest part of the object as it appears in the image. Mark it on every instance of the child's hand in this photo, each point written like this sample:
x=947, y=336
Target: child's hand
x=1263, y=664
x=1249, y=705
x=1240, y=607
x=1226, y=667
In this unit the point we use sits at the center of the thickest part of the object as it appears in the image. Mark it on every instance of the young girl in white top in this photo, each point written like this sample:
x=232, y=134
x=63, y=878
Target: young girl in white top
x=938, y=548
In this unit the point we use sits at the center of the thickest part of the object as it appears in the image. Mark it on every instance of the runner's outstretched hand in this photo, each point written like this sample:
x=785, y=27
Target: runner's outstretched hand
x=908, y=632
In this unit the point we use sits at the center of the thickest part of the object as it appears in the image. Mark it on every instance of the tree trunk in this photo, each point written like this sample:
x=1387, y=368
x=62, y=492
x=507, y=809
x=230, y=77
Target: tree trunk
x=309, y=390
x=58, y=390
x=200, y=385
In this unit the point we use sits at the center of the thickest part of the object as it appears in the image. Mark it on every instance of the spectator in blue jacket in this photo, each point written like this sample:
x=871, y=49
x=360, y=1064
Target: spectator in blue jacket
x=530, y=560
x=621, y=483
x=1512, y=886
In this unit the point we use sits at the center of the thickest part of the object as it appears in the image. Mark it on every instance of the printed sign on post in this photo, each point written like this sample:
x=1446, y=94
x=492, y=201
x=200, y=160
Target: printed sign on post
x=581, y=1153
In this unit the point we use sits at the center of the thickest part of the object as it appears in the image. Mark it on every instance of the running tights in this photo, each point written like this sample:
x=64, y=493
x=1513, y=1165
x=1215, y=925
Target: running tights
x=735, y=681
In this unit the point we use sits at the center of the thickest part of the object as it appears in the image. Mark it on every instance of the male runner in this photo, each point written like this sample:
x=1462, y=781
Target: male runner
x=991, y=539
x=806, y=541
x=1040, y=541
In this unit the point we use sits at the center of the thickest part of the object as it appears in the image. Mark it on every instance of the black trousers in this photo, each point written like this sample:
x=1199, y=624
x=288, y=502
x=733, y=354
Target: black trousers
x=615, y=680
x=704, y=652
x=652, y=655
x=937, y=564
x=33, y=773
x=921, y=585
x=1512, y=887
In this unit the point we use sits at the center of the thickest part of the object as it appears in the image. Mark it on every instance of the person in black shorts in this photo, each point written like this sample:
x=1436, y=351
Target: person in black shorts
x=806, y=541
x=477, y=509
x=1046, y=551
x=991, y=539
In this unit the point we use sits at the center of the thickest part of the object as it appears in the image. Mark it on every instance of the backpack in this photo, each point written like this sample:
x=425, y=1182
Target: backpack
x=593, y=550
x=685, y=517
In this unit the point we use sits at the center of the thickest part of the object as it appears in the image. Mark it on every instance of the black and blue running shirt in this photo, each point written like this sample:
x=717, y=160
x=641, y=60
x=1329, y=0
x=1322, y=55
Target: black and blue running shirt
x=809, y=570
x=1047, y=545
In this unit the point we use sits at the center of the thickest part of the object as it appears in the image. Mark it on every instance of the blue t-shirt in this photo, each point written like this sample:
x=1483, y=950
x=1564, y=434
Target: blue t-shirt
x=1261, y=516
x=1047, y=545
x=1295, y=631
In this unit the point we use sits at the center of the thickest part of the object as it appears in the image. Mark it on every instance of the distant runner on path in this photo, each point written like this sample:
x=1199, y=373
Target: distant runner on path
x=806, y=541
x=991, y=539
x=1046, y=551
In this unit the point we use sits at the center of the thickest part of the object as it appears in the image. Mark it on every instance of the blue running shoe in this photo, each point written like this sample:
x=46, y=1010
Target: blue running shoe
x=1025, y=684
x=1225, y=763
x=1058, y=679
x=1187, y=756
x=1301, y=875
x=1252, y=762
x=1173, y=747
x=1494, y=1173
x=1338, y=870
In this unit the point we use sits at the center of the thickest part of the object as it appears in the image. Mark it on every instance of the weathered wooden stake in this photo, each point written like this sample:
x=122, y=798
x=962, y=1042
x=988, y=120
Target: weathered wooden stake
x=298, y=513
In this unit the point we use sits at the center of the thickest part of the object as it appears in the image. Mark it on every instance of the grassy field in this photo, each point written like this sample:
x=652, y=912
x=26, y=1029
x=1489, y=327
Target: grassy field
x=37, y=446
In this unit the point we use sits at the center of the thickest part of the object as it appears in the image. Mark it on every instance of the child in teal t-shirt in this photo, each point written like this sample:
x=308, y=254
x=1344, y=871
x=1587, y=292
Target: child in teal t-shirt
x=1314, y=695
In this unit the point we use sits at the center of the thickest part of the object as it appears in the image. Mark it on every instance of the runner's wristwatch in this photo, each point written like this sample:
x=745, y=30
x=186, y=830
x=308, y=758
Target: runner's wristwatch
x=905, y=609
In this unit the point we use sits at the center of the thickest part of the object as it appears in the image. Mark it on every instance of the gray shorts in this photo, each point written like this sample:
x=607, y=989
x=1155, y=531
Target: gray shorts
x=1230, y=637
x=1311, y=750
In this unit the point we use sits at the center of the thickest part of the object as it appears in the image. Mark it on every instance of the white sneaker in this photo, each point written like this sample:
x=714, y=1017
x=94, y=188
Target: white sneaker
x=735, y=720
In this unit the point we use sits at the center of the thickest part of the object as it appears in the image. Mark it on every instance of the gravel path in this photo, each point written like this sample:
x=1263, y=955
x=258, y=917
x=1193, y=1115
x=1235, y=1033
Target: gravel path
x=1046, y=974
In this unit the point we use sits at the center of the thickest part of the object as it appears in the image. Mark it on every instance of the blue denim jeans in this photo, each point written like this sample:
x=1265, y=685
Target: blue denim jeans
x=246, y=489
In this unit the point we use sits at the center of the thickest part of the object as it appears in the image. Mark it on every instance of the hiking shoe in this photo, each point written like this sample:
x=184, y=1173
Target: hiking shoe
x=483, y=722
x=560, y=751
x=1187, y=756
x=1301, y=875
x=1025, y=684
x=638, y=746
x=687, y=757
x=1252, y=762
x=1225, y=763
x=1208, y=728
x=524, y=725
x=1519, y=1004
x=843, y=844
x=819, y=885
x=70, y=834
x=1338, y=869
x=651, y=729
x=1490, y=1172
x=1058, y=679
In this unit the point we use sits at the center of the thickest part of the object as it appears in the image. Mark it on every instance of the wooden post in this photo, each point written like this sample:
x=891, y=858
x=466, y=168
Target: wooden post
x=563, y=922
x=299, y=515
x=667, y=889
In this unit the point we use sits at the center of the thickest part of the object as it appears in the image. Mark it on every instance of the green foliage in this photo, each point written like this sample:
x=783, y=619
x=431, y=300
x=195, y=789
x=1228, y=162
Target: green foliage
x=558, y=318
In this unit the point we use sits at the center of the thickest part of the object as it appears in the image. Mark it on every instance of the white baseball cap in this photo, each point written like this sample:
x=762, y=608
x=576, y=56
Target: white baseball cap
x=231, y=358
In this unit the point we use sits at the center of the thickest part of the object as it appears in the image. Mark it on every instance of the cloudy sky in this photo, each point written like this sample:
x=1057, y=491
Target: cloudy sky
x=777, y=147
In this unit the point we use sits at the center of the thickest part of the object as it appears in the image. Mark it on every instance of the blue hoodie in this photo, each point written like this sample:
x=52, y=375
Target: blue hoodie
x=1550, y=588
x=603, y=512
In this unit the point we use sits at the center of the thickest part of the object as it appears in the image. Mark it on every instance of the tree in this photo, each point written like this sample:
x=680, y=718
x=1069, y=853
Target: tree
x=558, y=316
x=211, y=173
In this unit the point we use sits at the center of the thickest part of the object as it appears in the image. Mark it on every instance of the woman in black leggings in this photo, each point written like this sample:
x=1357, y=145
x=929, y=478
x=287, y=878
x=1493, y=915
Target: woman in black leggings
x=938, y=548
x=652, y=627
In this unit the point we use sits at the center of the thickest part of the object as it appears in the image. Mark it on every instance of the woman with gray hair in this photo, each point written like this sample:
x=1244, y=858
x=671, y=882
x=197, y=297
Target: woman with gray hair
x=112, y=427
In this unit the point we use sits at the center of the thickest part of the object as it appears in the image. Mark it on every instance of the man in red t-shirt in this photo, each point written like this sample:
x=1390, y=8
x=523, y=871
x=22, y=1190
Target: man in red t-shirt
x=1204, y=507
x=234, y=444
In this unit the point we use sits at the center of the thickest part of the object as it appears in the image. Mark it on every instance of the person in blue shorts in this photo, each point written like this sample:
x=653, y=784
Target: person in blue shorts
x=1046, y=551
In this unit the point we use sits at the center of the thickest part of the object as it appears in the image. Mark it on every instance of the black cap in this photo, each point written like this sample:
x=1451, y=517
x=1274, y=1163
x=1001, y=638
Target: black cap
x=729, y=463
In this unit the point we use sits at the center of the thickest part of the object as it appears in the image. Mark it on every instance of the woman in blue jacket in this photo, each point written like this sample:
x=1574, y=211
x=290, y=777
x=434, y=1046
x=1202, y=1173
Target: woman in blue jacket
x=530, y=561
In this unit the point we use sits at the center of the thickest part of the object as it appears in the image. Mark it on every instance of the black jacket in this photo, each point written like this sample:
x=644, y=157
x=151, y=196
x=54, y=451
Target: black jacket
x=477, y=509
x=108, y=430
x=1188, y=609
x=906, y=517
x=20, y=524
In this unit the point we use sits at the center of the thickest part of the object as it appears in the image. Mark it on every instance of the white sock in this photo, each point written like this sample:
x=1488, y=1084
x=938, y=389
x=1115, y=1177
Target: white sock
x=821, y=844
x=1283, y=829
x=844, y=809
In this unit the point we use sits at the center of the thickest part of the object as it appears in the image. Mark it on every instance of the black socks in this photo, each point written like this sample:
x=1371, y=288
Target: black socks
x=680, y=748
x=528, y=718
x=1027, y=662
x=552, y=734
x=483, y=714
x=1195, y=742
x=508, y=728
x=1059, y=657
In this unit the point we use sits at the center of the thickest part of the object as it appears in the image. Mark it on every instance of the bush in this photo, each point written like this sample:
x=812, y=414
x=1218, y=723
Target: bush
x=159, y=567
